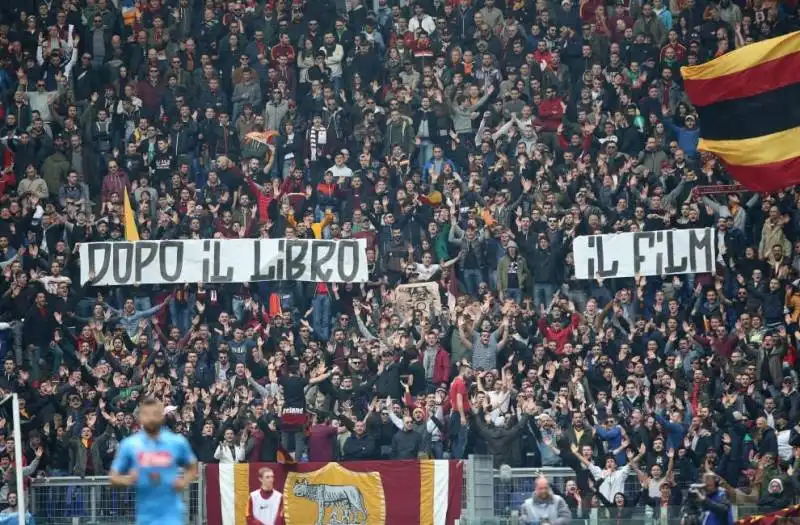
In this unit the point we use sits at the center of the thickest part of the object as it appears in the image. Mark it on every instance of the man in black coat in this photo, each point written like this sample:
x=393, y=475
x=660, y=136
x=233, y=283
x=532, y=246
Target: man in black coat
x=407, y=443
x=768, y=442
x=37, y=332
x=360, y=445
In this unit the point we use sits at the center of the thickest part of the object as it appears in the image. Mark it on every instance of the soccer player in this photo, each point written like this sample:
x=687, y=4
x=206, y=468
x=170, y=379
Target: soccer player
x=265, y=505
x=160, y=464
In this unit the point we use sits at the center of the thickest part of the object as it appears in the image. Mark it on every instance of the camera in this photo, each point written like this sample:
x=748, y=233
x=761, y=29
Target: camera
x=695, y=488
x=691, y=513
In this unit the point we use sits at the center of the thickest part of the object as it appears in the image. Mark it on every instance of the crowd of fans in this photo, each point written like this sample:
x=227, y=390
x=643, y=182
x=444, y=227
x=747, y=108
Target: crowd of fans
x=469, y=142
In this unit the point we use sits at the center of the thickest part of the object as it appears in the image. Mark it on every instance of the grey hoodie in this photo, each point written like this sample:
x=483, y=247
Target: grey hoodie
x=462, y=122
x=553, y=509
x=274, y=113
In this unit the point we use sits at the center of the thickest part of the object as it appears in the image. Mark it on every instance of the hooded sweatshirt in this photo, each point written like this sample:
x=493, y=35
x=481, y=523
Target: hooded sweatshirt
x=554, y=509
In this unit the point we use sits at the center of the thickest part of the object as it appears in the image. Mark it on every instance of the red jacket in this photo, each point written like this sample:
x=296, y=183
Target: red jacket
x=115, y=184
x=226, y=231
x=551, y=112
x=280, y=50
x=328, y=190
x=150, y=94
x=296, y=186
x=441, y=367
x=262, y=199
x=559, y=335
x=680, y=51
x=586, y=143
x=8, y=180
x=545, y=56
x=320, y=442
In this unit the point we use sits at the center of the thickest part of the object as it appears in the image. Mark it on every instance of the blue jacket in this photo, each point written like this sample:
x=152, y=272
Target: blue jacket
x=614, y=438
x=713, y=508
x=131, y=322
x=432, y=164
x=687, y=138
x=675, y=432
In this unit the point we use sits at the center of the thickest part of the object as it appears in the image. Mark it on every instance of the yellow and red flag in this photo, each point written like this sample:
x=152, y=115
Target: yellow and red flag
x=787, y=515
x=129, y=219
x=748, y=117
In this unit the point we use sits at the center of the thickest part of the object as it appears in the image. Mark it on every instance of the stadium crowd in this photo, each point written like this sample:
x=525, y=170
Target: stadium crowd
x=469, y=142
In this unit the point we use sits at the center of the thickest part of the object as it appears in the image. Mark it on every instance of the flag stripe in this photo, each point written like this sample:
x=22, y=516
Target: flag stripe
x=744, y=100
x=745, y=57
x=426, y=492
x=767, y=149
x=212, y=495
x=441, y=483
x=227, y=494
x=767, y=177
x=455, y=490
x=761, y=78
x=754, y=116
x=241, y=474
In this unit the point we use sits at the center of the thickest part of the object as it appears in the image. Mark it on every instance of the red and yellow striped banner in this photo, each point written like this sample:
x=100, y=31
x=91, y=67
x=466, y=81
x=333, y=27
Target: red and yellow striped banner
x=748, y=116
x=779, y=516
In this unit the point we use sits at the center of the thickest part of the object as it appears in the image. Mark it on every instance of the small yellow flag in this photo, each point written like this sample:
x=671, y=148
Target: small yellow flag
x=129, y=220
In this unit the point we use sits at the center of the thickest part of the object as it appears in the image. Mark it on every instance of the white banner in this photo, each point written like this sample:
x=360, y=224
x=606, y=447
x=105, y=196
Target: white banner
x=662, y=252
x=223, y=261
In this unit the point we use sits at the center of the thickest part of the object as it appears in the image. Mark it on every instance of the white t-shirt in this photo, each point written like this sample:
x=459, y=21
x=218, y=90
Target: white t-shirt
x=785, y=450
x=426, y=272
x=344, y=171
x=51, y=283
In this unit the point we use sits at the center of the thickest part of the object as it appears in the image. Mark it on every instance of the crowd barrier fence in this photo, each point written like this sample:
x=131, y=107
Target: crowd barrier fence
x=72, y=500
x=490, y=497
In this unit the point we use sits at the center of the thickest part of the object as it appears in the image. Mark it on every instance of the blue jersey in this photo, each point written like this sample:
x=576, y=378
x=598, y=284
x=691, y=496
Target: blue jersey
x=158, y=463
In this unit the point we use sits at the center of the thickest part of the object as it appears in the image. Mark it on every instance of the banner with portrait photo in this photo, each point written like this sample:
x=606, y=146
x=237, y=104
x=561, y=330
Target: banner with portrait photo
x=417, y=296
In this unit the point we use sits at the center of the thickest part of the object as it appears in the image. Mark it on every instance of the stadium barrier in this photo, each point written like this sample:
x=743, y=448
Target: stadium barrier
x=488, y=497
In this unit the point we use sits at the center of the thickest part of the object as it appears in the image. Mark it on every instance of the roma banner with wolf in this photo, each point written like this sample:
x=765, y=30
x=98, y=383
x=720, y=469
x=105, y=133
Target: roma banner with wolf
x=424, y=492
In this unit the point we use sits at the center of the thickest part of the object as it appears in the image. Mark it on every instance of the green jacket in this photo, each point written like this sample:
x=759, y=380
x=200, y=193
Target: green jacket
x=55, y=169
x=441, y=245
x=523, y=275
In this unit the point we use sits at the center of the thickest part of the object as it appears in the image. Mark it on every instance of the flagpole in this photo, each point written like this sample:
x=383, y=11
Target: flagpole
x=18, y=460
x=17, y=456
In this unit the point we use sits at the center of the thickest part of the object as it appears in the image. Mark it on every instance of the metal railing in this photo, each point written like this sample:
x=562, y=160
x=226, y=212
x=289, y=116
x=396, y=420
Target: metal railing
x=492, y=497
x=510, y=493
x=498, y=502
x=72, y=500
